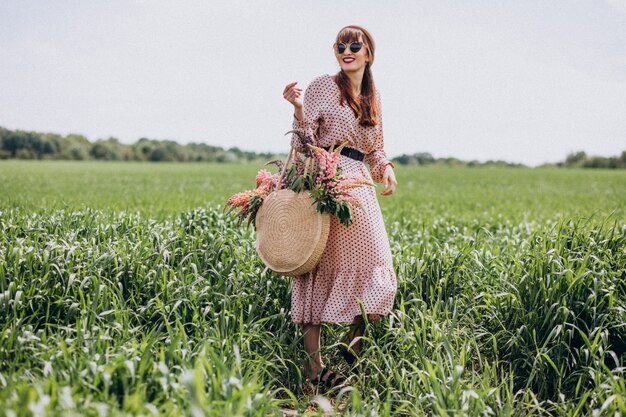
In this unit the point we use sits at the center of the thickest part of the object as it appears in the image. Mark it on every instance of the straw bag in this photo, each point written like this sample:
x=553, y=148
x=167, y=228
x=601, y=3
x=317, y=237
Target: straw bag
x=290, y=233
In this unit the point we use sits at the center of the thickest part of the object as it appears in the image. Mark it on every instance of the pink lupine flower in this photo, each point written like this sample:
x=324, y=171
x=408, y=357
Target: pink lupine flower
x=331, y=165
x=262, y=176
x=260, y=191
x=327, y=162
x=240, y=199
x=343, y=185
x=352, y=182
x=354, y=201
x=268, y=184
x=322, y=162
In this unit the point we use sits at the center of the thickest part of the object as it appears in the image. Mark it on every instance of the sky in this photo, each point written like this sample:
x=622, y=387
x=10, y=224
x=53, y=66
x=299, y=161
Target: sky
x=523, y=81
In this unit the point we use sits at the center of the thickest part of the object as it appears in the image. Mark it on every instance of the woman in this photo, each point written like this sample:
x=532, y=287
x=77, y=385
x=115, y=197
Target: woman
x=356, y=264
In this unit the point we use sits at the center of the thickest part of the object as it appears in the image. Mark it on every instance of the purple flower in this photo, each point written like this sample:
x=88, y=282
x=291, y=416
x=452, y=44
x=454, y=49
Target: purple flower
x=304, y=141
x=280, y=164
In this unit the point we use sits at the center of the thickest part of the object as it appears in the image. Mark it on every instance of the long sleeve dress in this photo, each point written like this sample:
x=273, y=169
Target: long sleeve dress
x=356, y=263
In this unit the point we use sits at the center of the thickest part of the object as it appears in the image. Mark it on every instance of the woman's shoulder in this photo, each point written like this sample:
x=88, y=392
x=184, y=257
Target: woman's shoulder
x=324, y=79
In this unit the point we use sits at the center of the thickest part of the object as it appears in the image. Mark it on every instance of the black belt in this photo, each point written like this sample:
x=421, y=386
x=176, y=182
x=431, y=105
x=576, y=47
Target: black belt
x=350, y=153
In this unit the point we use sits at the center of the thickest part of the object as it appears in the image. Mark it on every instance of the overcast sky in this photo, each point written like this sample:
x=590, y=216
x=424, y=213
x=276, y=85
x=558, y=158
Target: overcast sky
x=524, y=81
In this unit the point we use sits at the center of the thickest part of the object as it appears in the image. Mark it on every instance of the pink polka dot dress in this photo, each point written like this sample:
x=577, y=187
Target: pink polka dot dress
x=356, y=263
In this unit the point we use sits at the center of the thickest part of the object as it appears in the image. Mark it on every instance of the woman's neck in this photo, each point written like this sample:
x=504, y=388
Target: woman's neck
x=355, y=78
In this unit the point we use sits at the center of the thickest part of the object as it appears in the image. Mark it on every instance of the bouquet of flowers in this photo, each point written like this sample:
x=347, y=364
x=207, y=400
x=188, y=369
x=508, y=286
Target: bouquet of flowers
x=314, y=170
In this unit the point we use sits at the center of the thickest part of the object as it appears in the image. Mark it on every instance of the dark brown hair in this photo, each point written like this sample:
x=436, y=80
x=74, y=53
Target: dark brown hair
x=367, y=110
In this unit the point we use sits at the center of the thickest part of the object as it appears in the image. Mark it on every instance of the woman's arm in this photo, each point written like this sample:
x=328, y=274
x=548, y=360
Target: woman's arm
x=381, y=167
x=306, y=114
x=298, y=113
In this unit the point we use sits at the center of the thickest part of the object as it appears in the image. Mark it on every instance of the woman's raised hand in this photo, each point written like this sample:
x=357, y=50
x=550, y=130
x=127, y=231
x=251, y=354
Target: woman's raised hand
x=292, y=94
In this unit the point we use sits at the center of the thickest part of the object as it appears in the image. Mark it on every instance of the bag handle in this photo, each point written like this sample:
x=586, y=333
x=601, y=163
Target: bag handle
x=282, y=174
x=293, y=152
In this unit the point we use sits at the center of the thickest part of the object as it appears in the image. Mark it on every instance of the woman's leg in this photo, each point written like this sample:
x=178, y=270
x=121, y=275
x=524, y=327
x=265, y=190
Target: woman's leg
x=311, y=334
x=356, y=330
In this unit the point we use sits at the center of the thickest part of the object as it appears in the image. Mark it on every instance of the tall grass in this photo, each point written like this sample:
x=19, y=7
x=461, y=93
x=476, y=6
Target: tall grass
x=116, y=312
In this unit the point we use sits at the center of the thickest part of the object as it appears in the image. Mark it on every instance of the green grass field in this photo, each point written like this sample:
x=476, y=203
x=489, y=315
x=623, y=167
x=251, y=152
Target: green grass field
x=124, y=290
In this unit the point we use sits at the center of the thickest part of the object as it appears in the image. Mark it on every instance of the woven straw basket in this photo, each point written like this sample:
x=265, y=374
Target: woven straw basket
x=290, y=233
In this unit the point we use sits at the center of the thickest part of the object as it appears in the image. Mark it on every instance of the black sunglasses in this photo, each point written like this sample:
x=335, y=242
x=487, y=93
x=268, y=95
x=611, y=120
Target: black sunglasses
x=354, y=47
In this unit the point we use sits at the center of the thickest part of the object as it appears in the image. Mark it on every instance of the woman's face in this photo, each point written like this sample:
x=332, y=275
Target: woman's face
x=352, y=61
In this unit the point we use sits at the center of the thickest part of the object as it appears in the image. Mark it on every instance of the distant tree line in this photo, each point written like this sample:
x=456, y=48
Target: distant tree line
x=574, y=160
x=582, y=160
x=425, y=158
x=20, y=144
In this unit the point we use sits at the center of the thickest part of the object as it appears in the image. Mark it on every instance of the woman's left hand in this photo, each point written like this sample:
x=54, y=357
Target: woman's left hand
x=389, y=181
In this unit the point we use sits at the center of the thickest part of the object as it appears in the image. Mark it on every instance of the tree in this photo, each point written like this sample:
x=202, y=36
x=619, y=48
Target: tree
x=575, y=159
x=78, y=152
